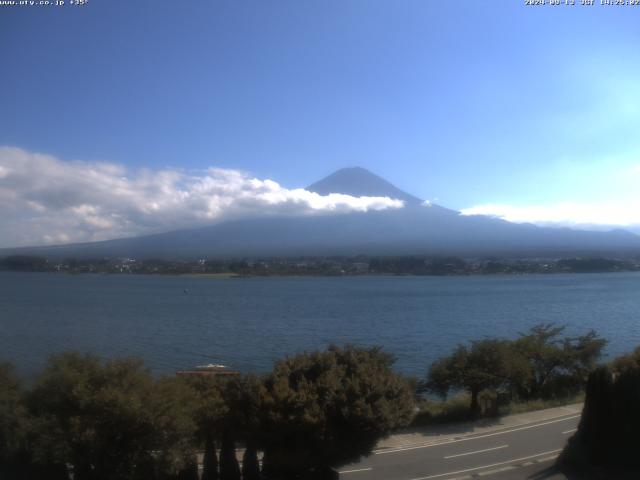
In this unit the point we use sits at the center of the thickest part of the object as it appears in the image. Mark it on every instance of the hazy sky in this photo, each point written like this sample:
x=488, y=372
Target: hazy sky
x=531, y=113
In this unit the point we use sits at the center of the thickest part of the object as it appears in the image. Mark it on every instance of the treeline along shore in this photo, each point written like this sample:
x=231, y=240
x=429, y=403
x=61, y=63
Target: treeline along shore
x=324, y=266
x=88, y=418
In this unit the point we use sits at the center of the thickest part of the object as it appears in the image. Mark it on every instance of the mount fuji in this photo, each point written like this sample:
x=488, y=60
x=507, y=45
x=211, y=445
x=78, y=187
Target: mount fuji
x=418, y=227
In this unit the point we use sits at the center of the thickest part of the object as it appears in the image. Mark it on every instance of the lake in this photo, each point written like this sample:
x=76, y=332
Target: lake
x=174, y=322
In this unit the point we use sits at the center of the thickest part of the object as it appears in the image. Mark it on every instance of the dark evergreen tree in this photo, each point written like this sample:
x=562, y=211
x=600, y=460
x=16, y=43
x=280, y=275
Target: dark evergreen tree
x=190, y=470
x=606, y=443
x=210, y=461
x=210, y=411
x=16, y=461
x=325, y=409
x=46, y=471
x=596, y=422
x=229, y=468
x=269, y=469
x=242, y=396
x=250, y=464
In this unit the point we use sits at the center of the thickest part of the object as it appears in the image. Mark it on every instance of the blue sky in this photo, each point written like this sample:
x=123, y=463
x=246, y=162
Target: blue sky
x=477, y=105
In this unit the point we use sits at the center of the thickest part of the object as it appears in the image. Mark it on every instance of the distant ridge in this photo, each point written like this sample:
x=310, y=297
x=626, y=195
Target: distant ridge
x=360, y=182
x=417, y=228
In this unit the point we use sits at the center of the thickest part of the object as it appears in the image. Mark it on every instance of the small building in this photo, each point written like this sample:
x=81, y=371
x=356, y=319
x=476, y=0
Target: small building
x=210, y=370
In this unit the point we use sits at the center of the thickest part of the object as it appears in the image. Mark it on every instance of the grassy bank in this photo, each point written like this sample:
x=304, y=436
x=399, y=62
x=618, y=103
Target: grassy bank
x=456, y=408
x=212, y=275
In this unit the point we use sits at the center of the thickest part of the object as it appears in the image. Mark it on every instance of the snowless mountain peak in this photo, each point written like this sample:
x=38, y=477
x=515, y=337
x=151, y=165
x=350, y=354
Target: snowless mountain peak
x=360, y=182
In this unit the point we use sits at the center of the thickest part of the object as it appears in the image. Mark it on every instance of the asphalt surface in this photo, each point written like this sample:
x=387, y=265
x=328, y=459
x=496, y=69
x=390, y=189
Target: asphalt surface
x=515, y=452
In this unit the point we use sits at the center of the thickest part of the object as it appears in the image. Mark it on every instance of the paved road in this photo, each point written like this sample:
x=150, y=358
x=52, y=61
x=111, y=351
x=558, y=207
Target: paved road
x=501, y=453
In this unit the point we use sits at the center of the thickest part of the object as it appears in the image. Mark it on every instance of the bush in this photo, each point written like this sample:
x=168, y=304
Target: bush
x=608, y=431
x=324, y=409
x=451, y=410
x=110, y=420
x=537, y=365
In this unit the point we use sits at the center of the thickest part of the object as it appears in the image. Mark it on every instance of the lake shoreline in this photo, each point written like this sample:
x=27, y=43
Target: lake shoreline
x=228, y=275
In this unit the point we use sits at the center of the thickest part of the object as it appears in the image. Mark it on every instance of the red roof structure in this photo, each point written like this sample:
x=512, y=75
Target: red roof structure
x=210, y=370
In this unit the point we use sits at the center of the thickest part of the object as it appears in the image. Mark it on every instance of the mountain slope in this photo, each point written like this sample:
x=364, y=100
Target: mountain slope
x=414, y=229
x=359, y=182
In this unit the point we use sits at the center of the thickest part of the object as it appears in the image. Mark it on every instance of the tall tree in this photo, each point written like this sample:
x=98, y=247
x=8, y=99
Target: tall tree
x=229, y=467
x=250, y=463
x=483, y=365
x=324, y=409
x=553, y=361
x=210, y=459
x=539, y=363
x=14, y=427
x=209, y=412
x=242, y=395
x=607, y=436
x=190, y=470
x=110, y=419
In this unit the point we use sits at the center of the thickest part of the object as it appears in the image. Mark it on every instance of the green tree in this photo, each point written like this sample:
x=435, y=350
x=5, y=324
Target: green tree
x=250, y=464
x=172, y=410
x=555, y=364
x=228, y=410
x=209, y=412
x=538, y=364
x=242, y=395
x=14, y=426
x=630, y=362
x=110, y=420
x=324, y=409
x=190, y=470
x=210, y=459
x=25, y=263
x=607, y=438
x=229, y=468
x=483, y=365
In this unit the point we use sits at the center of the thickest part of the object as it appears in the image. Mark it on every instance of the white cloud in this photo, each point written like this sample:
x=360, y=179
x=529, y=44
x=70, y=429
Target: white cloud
x=585, y=215
x=46, y=200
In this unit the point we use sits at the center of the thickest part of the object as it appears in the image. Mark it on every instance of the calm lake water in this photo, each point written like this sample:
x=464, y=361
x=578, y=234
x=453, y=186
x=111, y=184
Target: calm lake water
x=248, y=323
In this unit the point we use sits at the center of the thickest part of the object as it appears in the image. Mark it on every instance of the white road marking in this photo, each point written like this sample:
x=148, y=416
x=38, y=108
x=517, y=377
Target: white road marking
x=477, y=451
x=487, y=466
x=547, y=459
x=570, y=431
x=357, y=470
x=415, y=447
x=496, y=470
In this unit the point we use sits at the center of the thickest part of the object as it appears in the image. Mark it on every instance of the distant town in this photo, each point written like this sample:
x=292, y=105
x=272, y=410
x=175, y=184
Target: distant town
x=323, y=266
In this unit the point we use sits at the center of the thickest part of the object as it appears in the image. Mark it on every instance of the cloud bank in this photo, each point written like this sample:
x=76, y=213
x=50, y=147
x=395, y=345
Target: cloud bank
x=592, y=216
x=45, y=200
